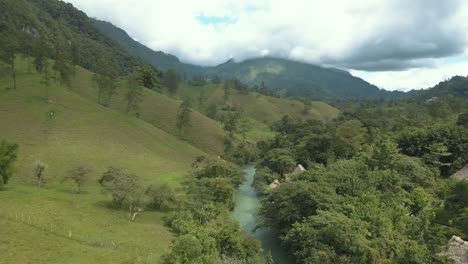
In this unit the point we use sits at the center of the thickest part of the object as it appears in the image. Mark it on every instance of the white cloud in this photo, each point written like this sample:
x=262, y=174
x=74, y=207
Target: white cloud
x=334, y=32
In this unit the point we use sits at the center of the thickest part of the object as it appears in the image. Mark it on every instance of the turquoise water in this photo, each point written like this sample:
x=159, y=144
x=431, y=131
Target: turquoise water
x=247, y=205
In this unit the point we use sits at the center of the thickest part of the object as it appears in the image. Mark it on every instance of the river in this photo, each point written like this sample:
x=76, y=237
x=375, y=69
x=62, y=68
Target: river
x=247, y=206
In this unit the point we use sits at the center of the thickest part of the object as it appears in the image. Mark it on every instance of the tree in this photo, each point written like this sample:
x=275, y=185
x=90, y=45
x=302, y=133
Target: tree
x=230, y=122
x=279, y=160
x=79, y=176
x=463, y=120
x=307, y=107
x=40, y=54
x=134, y=94
x=9, y=48
x=244, y=128
x=352, y=134
x=146, y=75
x=171, y=81
x=161, y=197
x=45, y=79
x=61, y=64
x=184, y=118
x=8, y=156
x=126, y=190
x=38, y=172
x=26, y=42
x=187, y=249
x=75, y=55
x=105, y=79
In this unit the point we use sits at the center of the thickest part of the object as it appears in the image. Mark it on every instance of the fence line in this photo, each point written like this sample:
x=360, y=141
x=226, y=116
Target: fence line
x=99, y=241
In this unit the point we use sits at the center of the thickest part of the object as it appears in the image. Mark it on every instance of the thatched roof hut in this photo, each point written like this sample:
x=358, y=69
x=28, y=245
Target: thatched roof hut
x=462, y=174
x=458, y=250
x=275, y=184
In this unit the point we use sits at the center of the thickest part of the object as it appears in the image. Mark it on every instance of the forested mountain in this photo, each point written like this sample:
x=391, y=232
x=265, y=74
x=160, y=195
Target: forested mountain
x=64, y=30
x=293, y=78
x=160, y=60
x=285, y=77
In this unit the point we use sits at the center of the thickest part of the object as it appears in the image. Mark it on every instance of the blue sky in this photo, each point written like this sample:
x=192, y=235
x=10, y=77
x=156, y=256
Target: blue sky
x=214, y=20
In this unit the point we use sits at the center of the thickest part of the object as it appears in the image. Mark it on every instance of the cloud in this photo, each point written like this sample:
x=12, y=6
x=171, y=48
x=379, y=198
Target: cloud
x=364, y=35
x=417, y=78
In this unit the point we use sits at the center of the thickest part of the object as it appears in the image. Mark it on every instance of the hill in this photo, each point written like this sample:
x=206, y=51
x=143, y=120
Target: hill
x=67, y=131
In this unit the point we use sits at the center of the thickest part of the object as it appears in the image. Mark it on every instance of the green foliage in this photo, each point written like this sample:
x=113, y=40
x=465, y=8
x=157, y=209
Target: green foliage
x=79, y=176
x=184, y=117
x=134, y=94
x=279, y=160
x=9, y=49
x=207, y=233
x=171, y=81
x=38, y=172
x=216, y=167
x=126, y=189
x=146, y=75
x=161, y=197
x=8, y=156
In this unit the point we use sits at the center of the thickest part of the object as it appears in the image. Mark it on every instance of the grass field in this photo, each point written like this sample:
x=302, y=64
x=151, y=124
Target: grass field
x=80, y=132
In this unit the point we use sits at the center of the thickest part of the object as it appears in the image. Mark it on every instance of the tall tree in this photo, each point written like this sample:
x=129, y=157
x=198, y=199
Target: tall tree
x=45, y=80
x=40, y=53
x=184, y=119
x=134, y=94
x=105, y=79
x=171, y=80
x=61, y=65
x=230, y=121
x=79, y=176
x=9, y=49
x=8, y=155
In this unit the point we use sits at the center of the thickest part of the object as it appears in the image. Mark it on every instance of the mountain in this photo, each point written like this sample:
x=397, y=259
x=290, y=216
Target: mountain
x=291, y=78
x=287, y=77
x=160, y=60
x=62, y=25
x=455, y=87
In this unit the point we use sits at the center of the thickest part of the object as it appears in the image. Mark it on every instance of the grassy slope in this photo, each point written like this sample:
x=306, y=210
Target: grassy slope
x=161, y=111
x=261, y=110
x=80, y=132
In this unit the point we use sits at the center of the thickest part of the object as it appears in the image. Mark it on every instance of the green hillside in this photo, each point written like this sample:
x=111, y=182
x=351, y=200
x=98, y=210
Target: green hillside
x=160, y=111
x=68, y=131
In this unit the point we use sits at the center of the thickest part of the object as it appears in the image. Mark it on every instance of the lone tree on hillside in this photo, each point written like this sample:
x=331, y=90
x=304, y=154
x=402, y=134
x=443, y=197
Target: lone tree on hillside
x=134, y=94
x=38, y=172
x=9, y=49
x=126, y=190
x=105, y=79
x=8, y=155
x=79, y=176
x=171, y=80
x=184, y=119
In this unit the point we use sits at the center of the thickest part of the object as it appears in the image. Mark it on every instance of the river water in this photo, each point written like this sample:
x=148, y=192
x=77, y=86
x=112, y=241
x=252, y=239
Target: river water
x=247, y=206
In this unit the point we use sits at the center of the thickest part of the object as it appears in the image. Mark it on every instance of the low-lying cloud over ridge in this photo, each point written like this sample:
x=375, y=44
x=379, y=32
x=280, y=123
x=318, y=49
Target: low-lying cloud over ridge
x=361, y=35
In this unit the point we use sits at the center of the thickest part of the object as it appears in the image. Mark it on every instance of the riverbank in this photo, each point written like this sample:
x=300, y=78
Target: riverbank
x=246, y=210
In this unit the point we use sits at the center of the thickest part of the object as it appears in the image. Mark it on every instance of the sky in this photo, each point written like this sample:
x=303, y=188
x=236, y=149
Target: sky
x=394, y=44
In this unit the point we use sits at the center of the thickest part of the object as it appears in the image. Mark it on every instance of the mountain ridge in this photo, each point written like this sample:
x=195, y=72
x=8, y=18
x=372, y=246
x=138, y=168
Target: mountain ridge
x=287, y=77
